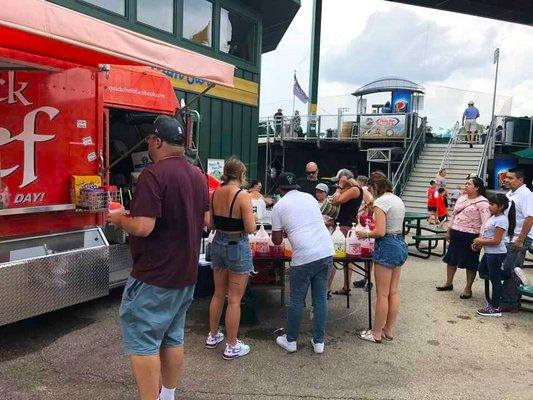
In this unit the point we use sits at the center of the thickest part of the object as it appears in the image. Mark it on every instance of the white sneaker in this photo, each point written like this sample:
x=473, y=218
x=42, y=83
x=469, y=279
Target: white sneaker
x=212, y=341
x=233, y=352
x=317, y=347
x=519, y=272
x=282, y=341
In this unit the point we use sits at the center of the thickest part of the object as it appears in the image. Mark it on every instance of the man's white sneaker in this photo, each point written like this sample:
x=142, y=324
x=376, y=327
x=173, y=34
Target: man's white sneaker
x=233, y=352
x=317, y=347
x=212, y=341
x=282, y=341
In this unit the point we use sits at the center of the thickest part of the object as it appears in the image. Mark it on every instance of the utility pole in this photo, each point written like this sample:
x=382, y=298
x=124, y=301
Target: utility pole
x=315, y=57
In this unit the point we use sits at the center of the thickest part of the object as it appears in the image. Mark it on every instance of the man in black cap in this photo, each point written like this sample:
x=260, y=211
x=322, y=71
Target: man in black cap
x=298, y=215
x=165, y=225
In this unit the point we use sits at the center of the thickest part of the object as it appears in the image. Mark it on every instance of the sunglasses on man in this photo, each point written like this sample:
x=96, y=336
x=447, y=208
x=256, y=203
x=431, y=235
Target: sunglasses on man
x=311, y=172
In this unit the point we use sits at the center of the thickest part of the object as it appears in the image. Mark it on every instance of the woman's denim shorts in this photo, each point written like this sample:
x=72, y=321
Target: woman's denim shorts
x=232, y=251
x=390, y=251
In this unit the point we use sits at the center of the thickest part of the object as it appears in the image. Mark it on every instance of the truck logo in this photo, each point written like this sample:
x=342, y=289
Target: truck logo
x=28, y=135
x=14, y=94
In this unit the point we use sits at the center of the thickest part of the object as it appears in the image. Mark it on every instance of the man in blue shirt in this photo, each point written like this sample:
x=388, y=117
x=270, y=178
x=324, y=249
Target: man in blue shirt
x=469, y=122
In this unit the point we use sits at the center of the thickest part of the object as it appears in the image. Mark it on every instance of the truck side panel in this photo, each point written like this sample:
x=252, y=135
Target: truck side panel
x=48, y=132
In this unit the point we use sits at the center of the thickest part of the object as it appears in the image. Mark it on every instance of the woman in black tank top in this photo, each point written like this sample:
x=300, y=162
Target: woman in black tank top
x=349, y=196
x=231, y=258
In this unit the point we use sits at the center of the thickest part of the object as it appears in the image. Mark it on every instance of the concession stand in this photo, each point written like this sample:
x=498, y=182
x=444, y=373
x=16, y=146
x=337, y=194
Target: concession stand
x=76, y=96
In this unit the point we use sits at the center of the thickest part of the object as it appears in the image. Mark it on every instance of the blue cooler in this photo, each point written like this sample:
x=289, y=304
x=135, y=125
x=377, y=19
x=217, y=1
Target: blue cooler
x=205, y=286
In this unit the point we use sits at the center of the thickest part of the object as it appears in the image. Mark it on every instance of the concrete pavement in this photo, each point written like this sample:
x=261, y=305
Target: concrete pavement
x=442, y=350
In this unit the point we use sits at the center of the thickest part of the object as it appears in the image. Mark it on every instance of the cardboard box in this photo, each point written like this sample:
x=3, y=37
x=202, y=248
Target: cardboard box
x=79, y=181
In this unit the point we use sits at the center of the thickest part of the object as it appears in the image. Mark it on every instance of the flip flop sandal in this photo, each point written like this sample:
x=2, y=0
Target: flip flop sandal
x=367, y=335
x=444, y=288
x=465, y=296
x=386, y=337
x=329, y=295
x=342, y=292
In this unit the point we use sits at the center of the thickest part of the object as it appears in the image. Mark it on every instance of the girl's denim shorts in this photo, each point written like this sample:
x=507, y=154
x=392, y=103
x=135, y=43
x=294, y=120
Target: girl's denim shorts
x=390, y=251
x=232, y=251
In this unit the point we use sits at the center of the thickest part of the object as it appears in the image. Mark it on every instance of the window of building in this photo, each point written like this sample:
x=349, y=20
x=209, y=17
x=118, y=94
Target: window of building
x=156, y=13
x=237, y=35
x=116, y=6
x=198, y=21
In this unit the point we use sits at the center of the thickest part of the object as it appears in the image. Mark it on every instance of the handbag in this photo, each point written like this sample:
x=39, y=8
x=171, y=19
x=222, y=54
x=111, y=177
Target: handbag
x=329, y=209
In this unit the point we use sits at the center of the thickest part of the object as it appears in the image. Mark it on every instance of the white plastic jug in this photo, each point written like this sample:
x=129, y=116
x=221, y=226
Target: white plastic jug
x=262, y=240
x=339, y=242
x=353, y=244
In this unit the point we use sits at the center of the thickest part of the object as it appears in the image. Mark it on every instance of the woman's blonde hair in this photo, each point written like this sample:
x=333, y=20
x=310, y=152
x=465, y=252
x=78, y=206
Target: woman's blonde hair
x=233, y=170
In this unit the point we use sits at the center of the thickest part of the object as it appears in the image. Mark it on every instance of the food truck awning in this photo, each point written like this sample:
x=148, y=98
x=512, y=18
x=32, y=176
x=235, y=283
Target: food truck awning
x=46, y=30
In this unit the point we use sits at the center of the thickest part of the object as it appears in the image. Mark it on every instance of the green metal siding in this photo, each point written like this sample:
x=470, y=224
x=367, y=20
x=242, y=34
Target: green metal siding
x=227, y=129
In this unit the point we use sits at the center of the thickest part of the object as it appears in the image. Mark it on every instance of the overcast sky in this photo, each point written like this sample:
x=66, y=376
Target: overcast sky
x=450, y=54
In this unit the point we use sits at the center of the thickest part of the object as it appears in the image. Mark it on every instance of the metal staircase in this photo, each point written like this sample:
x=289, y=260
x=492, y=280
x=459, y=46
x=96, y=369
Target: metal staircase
x=458, y=159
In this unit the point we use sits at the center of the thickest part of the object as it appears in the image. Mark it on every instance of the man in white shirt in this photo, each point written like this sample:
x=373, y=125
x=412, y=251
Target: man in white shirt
x=298, y=215
x=522, y=199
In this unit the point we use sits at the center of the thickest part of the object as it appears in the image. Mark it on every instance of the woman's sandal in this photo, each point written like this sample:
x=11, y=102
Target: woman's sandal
x=367, y=335
x=329, y=296
x=386, y=337
x=342, y=292
x=444, y=288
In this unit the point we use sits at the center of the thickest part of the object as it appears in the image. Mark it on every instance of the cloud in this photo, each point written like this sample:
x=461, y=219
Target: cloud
x=399, y=42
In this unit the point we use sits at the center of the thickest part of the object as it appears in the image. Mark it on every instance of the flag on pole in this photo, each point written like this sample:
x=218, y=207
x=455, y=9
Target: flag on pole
x=299, y=92
x=496, y=55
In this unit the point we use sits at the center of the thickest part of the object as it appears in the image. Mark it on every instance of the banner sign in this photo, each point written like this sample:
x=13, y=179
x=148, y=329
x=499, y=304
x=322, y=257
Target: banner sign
x=383, y=126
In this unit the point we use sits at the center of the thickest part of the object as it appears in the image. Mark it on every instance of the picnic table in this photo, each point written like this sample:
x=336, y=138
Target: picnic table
x=431, y=235
x=358, y=264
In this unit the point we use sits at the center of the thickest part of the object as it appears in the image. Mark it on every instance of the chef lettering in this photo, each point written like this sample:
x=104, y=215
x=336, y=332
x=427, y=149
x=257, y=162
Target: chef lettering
x=12, y=92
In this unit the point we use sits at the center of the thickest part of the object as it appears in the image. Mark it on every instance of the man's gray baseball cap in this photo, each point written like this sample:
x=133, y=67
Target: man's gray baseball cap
x=342, y=172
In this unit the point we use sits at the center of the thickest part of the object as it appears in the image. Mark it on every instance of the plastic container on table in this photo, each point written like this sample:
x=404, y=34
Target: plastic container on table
x=208, y=245
x=287, y=248
x=251, y=239
x=275, y=250
x=353, y=244
x=262, y=240
x=339, y=242
x=367, y=245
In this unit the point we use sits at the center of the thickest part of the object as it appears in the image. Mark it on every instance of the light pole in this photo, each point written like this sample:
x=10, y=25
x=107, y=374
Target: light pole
x=497, y=62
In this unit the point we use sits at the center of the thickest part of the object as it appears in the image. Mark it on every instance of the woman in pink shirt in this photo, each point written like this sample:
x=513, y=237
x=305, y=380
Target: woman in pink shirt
x=470, y=213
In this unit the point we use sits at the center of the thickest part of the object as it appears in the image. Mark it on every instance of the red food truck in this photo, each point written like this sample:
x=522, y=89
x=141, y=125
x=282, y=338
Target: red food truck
x=76, y=95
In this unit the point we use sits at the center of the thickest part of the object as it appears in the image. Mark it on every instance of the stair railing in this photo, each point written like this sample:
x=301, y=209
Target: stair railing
x=454, y=137
x=401, y=176
x=487, y=154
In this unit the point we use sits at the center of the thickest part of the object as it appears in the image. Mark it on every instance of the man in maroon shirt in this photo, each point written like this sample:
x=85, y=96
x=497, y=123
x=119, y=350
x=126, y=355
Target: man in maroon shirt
x=165, y=224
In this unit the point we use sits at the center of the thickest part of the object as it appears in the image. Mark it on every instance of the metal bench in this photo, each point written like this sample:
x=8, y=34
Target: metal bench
x=432, y=243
